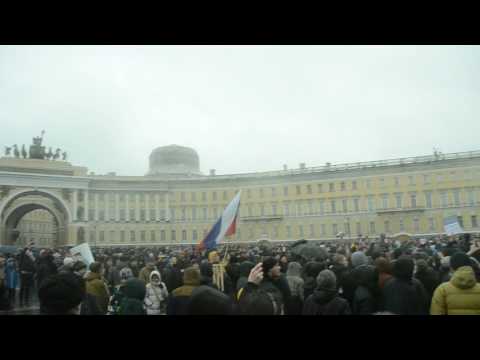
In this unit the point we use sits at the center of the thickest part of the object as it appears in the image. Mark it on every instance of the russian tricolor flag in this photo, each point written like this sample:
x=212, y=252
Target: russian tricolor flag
x=225, y=225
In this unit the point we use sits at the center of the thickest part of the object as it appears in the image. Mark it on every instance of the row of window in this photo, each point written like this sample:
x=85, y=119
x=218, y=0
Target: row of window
x=151, y=236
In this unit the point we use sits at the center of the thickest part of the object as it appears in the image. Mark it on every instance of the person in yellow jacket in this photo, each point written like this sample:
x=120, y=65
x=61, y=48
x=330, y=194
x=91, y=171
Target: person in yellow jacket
x=96, y=286
x=461, y=295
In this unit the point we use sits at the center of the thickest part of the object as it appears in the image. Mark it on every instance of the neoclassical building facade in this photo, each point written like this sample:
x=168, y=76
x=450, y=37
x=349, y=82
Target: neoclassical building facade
x=175, y=203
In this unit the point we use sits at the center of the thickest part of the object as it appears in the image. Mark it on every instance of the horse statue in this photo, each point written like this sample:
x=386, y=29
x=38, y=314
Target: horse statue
x=8, y=149
x=64, y=156
x=15, y=151
x=49, y=154
x=57, y=154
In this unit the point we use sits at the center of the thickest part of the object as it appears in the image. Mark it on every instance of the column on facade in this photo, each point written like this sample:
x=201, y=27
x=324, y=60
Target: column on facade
x=75, y=204
x=85, y=199
x=96, y=205
x=167, y=206
x=157, y=207
x=117, y=206
x=137, y=207
x=127, y=207
x=147, y=207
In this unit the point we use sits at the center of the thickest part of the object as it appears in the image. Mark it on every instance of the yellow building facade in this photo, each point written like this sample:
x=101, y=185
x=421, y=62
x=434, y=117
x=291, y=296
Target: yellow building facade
x=174, y=203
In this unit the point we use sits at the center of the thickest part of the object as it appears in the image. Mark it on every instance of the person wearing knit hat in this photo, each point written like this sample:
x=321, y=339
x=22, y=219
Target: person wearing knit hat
x=359, y=258
x=460, y=295
x=61, y=294
x=325, y=299
x=134, y=294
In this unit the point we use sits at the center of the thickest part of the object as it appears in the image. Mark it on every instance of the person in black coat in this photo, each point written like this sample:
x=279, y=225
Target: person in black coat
x=46, y=267
x=325, y=299
x=365, y=298
x=27, y=272
x=428, y=277
x=172, y=275
x=275, y=283
x=404, y=295
x=311, y=271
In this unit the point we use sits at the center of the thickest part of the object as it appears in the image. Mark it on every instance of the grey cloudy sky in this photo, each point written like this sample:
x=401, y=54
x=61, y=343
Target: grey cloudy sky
x=243, y=108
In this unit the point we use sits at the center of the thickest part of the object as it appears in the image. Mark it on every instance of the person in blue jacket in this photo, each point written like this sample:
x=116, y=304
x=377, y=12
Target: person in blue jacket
x=11, y=279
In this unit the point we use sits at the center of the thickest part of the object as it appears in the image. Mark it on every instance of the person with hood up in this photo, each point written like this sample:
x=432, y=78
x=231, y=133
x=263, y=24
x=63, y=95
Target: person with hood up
x=117, y=294
x=311, y=271
x=403, y=294
x=156, y=295
x=206, y=300
x=428, y=277
x=295, y=283
x=134, y=291
x=97, y=287
x=325, y=299
x=349, y=281
x=67, y=266
x=461, y=295
x=89, y=304
x=61, y=294
x=180, y=297
x=365, y=296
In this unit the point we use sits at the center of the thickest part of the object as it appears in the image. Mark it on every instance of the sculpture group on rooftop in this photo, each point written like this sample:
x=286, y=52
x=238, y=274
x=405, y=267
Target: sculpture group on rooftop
x=36, y=151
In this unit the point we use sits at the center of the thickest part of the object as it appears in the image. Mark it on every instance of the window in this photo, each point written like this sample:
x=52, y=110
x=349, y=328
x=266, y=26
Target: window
x=431, y=224
x=368, y=183
x=382, y=182
x=184, y=214
x=298, y=190
x=132, y=236
x=335, y=229
x=285, y=190
x=456, y=197
x=142, y=215
x=385, y=201
x=162, y=235
x=321, y=207
x=250, y=211
x=300, y=231
x=319, y=188
x=174, y=235
x=262, y=210
x=286, y=209
x=225, y=195
x=312, y=231
x=152, y=214
x=289, y=231
x=371, y=205
x=471, y=197
x=260, y=193
x=474, y=221
x=323, y=229
x=205, y=212
x=173, y=214
x=184, y=235
x=309, y=189
x=331, y=187
x=344, y=205
x=387, y=226
x=214, y=196
x=411, y=180
x=426, y=179
x=194, y=235
x=310, y=207
x=142, y=236
x=416, y=225
x=342, y=186
x=444, y=198
x=274, y=210
x=299, y=209
x=397, y=181
x=402, y=225
x=274, y=192
x=333, y=205
x=194, y=197
x=356, y=205
x=152, y=235
x=275, y=232
x=204, y=196
x=346, y=227
x=92, y=236
x=413, y=200
x=358, y=228
x=182, y=196
x=428, y=200
x=372, y=227
x=460, y=221
x=354, y=185
x=194, y=213
x=215, y=213
x=91, y=214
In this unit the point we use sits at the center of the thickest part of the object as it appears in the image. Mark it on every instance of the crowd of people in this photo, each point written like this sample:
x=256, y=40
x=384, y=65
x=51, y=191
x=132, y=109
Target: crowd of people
x=417, y=277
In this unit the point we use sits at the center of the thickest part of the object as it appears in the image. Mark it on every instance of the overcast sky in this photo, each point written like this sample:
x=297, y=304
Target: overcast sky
x=243, y=108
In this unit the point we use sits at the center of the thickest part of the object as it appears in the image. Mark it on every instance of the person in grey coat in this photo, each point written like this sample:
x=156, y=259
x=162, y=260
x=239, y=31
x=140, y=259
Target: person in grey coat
x=295, y=283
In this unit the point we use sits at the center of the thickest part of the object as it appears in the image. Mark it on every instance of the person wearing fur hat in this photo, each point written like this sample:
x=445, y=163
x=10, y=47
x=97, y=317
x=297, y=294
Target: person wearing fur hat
x=403, y=294
x=97, y=287
x=461, y=295
x=180, y=297
x=156, y=296
x=325, y=299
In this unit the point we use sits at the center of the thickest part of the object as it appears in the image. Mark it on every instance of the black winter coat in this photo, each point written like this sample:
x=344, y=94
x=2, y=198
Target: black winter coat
x=324, y=302
x=405, y=297
x=430, y=280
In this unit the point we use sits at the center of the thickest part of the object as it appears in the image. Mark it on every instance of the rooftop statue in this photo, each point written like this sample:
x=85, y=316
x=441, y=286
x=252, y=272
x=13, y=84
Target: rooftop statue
x=37, y=151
